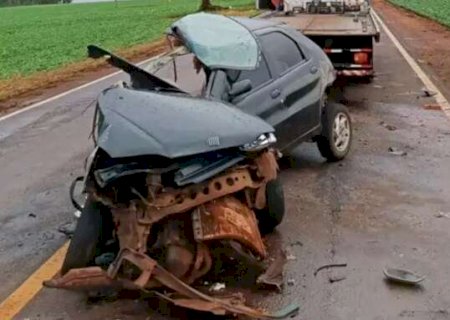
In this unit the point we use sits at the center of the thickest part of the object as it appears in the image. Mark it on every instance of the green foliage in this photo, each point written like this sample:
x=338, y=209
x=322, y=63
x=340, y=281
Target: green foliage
x=44, y=37
x=438, y=10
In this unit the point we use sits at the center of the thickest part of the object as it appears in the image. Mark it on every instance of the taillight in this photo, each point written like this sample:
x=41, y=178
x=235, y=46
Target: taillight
x=361, y=58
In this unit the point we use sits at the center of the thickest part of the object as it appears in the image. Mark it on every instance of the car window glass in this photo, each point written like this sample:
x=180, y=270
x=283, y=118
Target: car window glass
x=258, y=76
x=282, y=50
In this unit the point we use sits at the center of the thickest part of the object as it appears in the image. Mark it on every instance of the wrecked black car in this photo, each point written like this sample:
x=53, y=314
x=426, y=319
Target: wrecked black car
x=283, y=78
x=183, y=176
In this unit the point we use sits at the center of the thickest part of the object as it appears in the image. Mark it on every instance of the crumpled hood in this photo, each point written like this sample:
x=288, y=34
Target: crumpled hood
x=219, y=42
x=134, y=123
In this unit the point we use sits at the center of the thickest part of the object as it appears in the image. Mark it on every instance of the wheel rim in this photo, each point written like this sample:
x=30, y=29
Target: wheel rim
x=341, y=132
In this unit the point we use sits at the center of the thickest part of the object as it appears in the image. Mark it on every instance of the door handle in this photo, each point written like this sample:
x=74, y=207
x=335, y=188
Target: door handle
x=314, y=69
x=275, y=93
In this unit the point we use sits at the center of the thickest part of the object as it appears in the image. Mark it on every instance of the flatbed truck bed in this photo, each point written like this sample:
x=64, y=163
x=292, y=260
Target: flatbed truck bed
x=347, y=38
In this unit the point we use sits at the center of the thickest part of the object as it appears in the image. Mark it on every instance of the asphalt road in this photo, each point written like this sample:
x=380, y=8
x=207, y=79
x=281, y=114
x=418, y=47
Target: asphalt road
x=373, y=210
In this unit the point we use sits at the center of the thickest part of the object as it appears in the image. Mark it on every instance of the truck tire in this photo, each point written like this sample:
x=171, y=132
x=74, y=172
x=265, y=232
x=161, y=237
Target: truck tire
x=336, y=138
x=271, y=216
x=86, y=238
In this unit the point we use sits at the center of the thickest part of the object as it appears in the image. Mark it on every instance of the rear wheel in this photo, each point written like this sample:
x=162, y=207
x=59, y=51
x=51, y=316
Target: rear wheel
x=335, y=140
x=272, y=215
x=86, y=238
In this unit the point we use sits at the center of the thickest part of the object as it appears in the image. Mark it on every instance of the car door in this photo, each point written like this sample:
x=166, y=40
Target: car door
x=264, y=99
x=297, y=78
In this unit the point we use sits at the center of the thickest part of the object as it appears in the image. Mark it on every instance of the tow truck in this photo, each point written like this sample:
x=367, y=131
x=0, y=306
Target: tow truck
x=345, y=29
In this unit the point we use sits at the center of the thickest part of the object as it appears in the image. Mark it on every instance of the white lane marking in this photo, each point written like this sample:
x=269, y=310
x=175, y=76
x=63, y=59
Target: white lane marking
x=65, y=93
x=439, y=97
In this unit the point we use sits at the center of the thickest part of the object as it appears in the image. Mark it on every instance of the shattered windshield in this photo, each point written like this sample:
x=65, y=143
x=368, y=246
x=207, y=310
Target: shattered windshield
x=218, y=42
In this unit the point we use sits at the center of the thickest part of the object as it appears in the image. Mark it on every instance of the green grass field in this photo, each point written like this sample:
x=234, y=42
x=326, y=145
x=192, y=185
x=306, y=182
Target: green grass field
x=41, y=38
x=438, y=10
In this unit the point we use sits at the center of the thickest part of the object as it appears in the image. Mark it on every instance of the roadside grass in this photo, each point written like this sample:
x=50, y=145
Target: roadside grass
x=438, y=10
x=43, y=45
x=40, y=38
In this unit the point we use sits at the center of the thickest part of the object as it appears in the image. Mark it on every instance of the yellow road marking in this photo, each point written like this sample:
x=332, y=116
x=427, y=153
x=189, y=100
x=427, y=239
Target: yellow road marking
x=30, y=287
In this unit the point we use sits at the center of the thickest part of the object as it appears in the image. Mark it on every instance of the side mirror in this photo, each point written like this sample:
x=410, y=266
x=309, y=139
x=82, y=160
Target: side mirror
x=240, y=87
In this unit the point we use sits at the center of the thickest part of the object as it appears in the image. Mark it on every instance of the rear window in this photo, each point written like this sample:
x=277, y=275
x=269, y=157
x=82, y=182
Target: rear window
x=282, y=51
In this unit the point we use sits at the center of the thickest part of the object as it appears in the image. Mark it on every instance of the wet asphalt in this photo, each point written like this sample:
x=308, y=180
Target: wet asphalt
x=371, y=211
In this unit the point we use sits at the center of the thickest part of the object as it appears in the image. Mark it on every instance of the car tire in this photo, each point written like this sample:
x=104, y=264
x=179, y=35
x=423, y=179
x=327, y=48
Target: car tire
x=272, y=215
x=336, y=138
x=86, y=238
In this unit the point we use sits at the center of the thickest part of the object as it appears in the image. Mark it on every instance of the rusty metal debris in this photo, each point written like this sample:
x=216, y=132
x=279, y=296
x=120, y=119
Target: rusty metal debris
x=432, y=106
x=220, y=209
x=95, y=277
x=228, y=218
x=274, y=274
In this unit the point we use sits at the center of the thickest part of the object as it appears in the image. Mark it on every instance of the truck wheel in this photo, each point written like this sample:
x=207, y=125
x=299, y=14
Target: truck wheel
x=336, y=138
x=86, y=238
x=271, y=216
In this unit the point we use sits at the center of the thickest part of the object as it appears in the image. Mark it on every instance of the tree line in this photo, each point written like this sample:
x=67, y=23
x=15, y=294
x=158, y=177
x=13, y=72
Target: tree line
x=204, y=4
x=10, y=3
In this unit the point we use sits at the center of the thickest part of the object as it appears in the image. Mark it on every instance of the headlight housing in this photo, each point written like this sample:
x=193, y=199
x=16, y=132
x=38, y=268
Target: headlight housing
x=262, y=142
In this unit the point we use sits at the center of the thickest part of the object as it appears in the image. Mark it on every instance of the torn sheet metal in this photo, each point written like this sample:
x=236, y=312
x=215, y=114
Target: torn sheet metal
x=228, y=218
x=94, y=277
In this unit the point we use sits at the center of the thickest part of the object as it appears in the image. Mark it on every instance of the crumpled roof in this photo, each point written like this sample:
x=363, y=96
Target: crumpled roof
x=219, y=42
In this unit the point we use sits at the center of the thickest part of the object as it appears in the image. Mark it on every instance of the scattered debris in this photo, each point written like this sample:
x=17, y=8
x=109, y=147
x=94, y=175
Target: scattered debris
x=378, y=86
x=397, y=152
x=441, y=214
x=291, y=282
x=291, y=257
x=402, y=276
x=428, y=93
x=77, y=214
x=217, y=287
x=390, y=127
x=328, y=266
x=297, y=243
x=333, y=279
x=68, y=229
x=105, y=259
x=274, y=274
x=432, y=106
x=32, y=215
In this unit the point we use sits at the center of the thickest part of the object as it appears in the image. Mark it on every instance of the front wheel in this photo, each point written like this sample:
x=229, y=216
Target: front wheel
x=86, y=238
x=336, y=137
x=272, y=215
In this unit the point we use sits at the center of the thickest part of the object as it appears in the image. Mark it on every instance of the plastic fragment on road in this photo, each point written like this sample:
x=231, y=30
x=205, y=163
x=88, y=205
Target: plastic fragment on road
x=402, y=276
x=441, y=214
x=397, y=152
